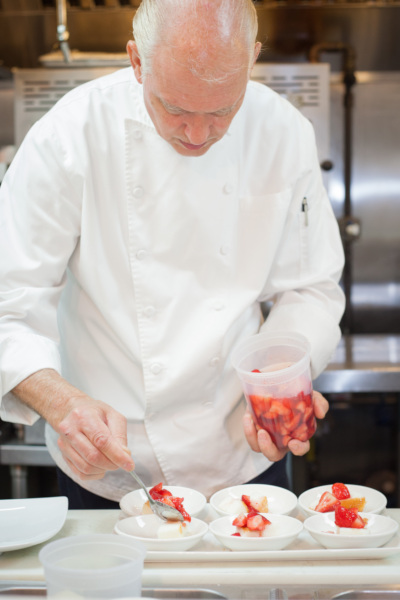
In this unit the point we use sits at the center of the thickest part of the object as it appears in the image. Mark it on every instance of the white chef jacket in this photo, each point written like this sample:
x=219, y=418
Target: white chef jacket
x=134, y=271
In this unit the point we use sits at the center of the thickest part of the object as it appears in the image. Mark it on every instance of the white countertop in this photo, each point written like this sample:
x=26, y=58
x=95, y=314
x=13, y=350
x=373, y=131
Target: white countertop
x=24, y=565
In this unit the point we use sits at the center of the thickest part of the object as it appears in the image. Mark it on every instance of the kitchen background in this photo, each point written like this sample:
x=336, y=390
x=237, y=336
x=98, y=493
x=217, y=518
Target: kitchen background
x=339, y=63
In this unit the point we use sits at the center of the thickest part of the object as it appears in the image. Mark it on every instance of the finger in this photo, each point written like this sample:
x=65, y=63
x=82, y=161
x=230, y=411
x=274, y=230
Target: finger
x=79, y=443
x=78, y=464
x=104, y=442
x=250, y=431
x=82, y=475
x=298, y=448
x=85, y=462
x=118, y=428
x=321, y=405
x=268, y=447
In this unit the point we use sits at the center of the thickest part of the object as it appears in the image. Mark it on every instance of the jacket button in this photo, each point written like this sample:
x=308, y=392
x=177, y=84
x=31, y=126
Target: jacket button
x=156, y=368
x=224, y=250
x=138, y=192
x=137, y=134
x=219, y=305
x=149, y=311
x=141, y=254
x=214, y=362
x=228, y=188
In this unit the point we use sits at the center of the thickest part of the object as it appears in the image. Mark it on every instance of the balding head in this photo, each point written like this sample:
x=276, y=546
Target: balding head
x=194, y=31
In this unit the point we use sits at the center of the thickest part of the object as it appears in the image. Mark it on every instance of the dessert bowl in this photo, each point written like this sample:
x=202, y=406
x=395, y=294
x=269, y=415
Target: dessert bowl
x=377, y=532
x=375, y=502
x=132, y=503
x=280, y=533
x=147, y=528
x=228, y=500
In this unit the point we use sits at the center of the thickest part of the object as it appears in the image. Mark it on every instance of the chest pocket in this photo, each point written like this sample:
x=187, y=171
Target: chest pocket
x=263, y=220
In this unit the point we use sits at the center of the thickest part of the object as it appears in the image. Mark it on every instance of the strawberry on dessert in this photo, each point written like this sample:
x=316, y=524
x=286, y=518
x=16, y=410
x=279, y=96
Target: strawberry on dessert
x=340, y=496
x=259, y=504
x=234, y=506
x=159, y=493
x=346, y=517
x=327, y=503
x=250, y=524
x=340, y=491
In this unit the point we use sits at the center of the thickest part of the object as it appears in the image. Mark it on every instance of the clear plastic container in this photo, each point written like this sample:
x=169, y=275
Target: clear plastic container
x=276, y=378
x=98, y=566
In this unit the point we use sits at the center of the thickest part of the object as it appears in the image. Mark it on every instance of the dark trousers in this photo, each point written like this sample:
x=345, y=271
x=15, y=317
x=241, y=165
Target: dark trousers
x=79, y=498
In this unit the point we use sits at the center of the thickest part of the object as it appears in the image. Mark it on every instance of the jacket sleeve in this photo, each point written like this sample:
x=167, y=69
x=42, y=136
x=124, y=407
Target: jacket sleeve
x=303, y=285
x=39, y=225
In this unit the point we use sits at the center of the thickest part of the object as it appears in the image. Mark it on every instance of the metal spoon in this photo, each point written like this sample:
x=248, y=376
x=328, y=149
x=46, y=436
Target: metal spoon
x=162, y=510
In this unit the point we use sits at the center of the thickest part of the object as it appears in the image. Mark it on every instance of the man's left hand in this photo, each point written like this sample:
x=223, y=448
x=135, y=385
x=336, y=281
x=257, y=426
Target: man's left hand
x=259, y=440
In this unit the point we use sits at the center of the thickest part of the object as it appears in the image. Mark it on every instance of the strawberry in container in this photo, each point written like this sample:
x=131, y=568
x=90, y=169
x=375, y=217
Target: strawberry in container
x=276, y=378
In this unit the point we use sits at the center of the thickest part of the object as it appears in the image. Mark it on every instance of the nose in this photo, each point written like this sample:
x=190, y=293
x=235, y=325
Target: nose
x=197, y=129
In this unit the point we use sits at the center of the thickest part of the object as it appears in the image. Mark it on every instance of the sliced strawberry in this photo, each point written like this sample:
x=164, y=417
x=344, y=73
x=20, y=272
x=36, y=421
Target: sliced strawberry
x=257, y=522
x=256, y=371
x=359, y=522
x=347, y=517
x=240, y=520
x=237, y=534
x=156, y=489
x=327, y=503
x=340, y=491
x=247, y=501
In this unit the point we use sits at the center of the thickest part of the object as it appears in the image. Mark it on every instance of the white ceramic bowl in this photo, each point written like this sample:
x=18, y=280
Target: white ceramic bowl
x=375, y=501
x=280, y=500
x=30, y=521
x=282, y=531
x=193, y=501
x=377, y=532
x=145, y=528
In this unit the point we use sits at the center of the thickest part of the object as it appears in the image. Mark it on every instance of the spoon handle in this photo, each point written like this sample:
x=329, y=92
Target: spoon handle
x=140, y=482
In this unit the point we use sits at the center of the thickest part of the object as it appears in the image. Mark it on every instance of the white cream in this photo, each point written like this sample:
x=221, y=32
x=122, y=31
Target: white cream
x=172, y=530
x=351, y=531
x=233, y=506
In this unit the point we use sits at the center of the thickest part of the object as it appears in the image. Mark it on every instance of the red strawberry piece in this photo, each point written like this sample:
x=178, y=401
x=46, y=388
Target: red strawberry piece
x=340, y=491
x=301, y=433
x=240, y=520
x=247, y=501
x=359, y=522
x=327, y=503
x=256, y=371
x=348, y=517
x=237, y=534
x=257, y=522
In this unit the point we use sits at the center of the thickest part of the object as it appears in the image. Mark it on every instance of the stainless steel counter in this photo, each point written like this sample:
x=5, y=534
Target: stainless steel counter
x=363, y=363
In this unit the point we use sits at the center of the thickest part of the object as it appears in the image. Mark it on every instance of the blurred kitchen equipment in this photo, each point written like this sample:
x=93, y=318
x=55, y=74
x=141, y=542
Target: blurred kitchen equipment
x=66, y=57
x=162, y=510
x=349, y=225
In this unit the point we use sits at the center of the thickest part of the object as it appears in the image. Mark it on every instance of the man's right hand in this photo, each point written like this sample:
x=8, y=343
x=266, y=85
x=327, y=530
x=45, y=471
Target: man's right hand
x=93, y=436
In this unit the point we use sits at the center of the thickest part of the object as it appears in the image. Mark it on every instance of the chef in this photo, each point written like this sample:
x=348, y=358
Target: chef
x=143, y=221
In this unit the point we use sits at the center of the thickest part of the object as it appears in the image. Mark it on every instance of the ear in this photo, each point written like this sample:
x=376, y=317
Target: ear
x=257, y=50
x=134, y=57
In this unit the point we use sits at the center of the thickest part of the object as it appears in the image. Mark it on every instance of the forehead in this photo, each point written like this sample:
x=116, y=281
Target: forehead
x=206, y=84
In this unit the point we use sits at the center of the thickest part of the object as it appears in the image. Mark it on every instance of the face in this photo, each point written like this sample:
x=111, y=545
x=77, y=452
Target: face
x=189, y=113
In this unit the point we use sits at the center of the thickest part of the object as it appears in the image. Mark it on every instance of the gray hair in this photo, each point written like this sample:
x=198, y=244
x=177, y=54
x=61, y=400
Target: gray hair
x=156, y=21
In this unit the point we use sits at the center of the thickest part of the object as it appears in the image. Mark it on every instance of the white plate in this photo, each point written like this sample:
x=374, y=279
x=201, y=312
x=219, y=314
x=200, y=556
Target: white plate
x=145, y=528
x=193, y=501
x=280, y=500
x=375, y=501
x=279, y=534
x=29, y=521
x=377, y=532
